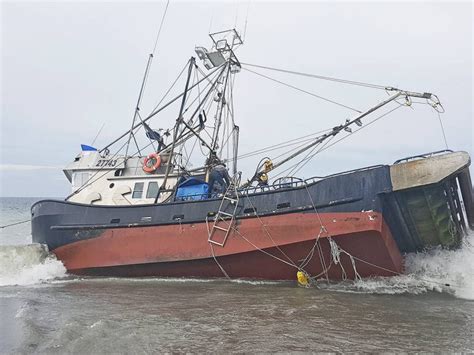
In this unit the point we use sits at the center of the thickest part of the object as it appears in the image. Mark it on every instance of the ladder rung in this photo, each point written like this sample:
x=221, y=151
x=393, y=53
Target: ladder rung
x=230, y=199
x=226, y=214
x=220, y=228
x=216, y=243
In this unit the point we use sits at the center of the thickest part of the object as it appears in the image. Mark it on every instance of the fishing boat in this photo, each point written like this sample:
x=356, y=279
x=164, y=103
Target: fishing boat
x=144, y=210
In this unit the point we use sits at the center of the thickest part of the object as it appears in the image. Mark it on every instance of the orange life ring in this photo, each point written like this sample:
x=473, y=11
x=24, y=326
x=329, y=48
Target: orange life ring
x=151, y=163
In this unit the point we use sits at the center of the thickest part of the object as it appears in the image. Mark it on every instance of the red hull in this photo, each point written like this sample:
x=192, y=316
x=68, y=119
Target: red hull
x=177, y=251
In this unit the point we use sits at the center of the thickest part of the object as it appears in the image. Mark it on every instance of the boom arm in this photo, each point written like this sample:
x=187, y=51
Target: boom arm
x=336, y=130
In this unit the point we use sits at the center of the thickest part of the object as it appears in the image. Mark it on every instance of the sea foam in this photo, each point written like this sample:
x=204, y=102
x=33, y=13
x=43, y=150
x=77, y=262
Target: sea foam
x=440, y=270
x=28, y=264
x=447, y=271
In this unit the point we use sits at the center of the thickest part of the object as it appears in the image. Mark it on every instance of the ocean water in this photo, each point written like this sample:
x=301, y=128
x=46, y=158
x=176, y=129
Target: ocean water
x=45, y=310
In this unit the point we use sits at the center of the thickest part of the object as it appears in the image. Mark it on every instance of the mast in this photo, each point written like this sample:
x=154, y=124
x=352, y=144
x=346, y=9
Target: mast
x=222, y=53
x=179, y=120
x=220, y=109
x=235, y=136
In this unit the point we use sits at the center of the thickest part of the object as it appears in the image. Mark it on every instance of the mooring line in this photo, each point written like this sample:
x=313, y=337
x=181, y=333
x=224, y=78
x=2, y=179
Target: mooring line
x=14, y=224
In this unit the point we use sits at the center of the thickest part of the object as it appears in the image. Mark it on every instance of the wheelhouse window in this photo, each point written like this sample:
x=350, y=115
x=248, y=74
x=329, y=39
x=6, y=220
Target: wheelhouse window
x=152, y=189
x=138, y=190
x=79, y=179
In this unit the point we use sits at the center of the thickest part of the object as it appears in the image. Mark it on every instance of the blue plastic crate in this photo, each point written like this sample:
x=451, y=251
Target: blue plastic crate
x=192, y=189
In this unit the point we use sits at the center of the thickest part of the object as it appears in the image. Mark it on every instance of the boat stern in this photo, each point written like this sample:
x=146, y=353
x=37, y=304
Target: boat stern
x=431, y=201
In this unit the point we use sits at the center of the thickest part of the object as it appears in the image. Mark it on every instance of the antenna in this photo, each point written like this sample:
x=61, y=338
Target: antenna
x=236, y=13
x=210, y=22
x=246, y=20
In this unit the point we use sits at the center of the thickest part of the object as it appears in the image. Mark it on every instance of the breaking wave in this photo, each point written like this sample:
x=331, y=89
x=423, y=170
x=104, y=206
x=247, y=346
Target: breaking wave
x=447, y=271
x=28, y=264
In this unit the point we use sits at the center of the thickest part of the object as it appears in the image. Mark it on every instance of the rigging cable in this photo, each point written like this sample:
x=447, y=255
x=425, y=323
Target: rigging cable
x=161, y=25
x=358, y=129
x=337, y=141
x=303, y=91
x=97, y=135
x=304, y=161
x=343, y=81
x=156, y=110
x=294, y=168
x=191, y=152
x=144, y=82
x=157, y=37
x=294, y=141
x=90, y=181
x=442, y=129
x=171, y=87
x=154, y=113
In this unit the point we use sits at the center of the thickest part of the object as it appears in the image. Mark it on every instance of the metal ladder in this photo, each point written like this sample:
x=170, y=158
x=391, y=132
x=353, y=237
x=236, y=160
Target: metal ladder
x=223, y=220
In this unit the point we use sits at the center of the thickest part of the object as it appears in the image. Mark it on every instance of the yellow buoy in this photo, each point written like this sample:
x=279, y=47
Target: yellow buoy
x=302, y=278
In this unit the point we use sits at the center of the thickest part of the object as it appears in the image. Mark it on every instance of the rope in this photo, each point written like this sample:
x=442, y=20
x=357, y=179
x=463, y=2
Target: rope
x=213, y=253
x=343, y=81
x=369, y=263
x=14, y=224
x=336, y=252
x=266, y=230
x=307, y=259
x=217, y=262
x=352, y=257
x=395, y=272
x=264, y=251
x=336, y=257
x=304, y=91
x=316, y=243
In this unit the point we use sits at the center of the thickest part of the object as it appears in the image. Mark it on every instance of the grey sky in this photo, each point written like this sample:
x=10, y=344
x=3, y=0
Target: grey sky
x=69, y=67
